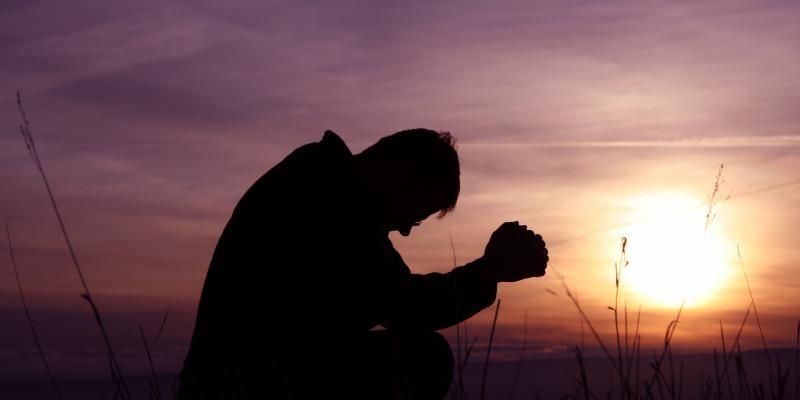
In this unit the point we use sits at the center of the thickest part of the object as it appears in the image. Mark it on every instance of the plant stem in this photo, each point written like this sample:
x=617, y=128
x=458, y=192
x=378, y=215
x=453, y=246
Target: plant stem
x=25, y=131
x=489, y=351
x=28, y=316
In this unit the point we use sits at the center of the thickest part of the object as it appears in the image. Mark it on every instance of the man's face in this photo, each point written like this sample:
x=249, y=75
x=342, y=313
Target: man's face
x=408, y=211
x=405, y=227
x=402, y=200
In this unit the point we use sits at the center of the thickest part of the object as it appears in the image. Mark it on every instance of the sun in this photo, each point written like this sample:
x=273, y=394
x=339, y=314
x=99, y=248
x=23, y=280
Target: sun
x=673, y=256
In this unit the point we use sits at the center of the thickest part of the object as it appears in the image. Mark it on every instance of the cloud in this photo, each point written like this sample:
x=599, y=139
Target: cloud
x=152, y=120
x=730, y=141
x=96, y=39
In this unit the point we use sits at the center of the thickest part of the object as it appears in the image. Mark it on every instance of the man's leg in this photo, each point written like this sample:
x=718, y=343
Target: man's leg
x=407, y=366
x=375, y=365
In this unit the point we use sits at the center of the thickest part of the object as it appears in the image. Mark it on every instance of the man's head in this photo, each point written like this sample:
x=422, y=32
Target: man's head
x=411, y=175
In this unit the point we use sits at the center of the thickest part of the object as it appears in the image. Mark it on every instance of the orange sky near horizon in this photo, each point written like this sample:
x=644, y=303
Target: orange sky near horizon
x=584, y=221
x=588, y=123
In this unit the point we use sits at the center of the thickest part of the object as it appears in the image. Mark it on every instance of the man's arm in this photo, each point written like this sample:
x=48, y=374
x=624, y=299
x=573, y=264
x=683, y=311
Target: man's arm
x=435, y=301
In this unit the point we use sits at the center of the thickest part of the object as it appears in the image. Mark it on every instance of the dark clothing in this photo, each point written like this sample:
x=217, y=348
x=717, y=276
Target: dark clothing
x=299, y=277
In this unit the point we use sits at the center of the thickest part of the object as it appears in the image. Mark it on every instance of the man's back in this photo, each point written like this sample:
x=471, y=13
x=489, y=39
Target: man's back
x=271, y=266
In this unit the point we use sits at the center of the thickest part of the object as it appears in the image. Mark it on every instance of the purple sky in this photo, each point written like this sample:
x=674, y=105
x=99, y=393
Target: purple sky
x=152, y=119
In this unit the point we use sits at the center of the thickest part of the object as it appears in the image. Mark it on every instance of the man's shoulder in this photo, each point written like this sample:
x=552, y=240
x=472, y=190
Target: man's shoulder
x=311, y=168
x=331, y=149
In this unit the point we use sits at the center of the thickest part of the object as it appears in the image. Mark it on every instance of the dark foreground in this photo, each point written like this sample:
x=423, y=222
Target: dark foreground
x=539, y=378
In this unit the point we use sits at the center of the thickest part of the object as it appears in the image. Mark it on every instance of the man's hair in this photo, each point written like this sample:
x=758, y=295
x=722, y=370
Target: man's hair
x=430, y=159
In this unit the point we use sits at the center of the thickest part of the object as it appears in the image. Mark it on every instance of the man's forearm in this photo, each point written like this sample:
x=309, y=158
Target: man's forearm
x=436, y=301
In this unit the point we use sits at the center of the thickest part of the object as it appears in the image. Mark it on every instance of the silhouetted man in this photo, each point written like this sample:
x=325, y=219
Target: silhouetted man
x=304, y=273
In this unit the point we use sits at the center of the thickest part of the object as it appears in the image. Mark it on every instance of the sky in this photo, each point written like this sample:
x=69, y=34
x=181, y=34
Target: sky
x=589, y=122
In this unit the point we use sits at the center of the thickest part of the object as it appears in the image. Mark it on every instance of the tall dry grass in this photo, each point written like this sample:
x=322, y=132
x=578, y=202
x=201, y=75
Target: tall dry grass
x=119, y=385
x=29, y=318
x=665, y=377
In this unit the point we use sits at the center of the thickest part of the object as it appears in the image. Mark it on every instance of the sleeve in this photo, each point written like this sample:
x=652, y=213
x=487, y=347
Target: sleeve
x=436, y=301
x=364, y=282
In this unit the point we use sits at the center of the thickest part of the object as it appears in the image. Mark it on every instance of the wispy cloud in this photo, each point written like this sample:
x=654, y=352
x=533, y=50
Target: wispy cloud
x=730, y=141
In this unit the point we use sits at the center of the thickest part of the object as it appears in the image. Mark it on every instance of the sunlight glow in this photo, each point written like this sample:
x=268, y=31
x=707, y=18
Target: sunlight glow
x=672, y=255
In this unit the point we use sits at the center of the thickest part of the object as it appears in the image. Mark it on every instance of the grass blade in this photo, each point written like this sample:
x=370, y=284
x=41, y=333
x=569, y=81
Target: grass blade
x=797, y=362
x=489, y=351
x=29, y=318
x=154, y=384
x=517, y=373
x=25, y=131
x=772, y=382
x=160, y=329
x=586, y=319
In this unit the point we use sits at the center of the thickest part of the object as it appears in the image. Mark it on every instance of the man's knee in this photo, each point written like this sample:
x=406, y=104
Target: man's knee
x=437, y=352
x=430, y=364
x=418, y=365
